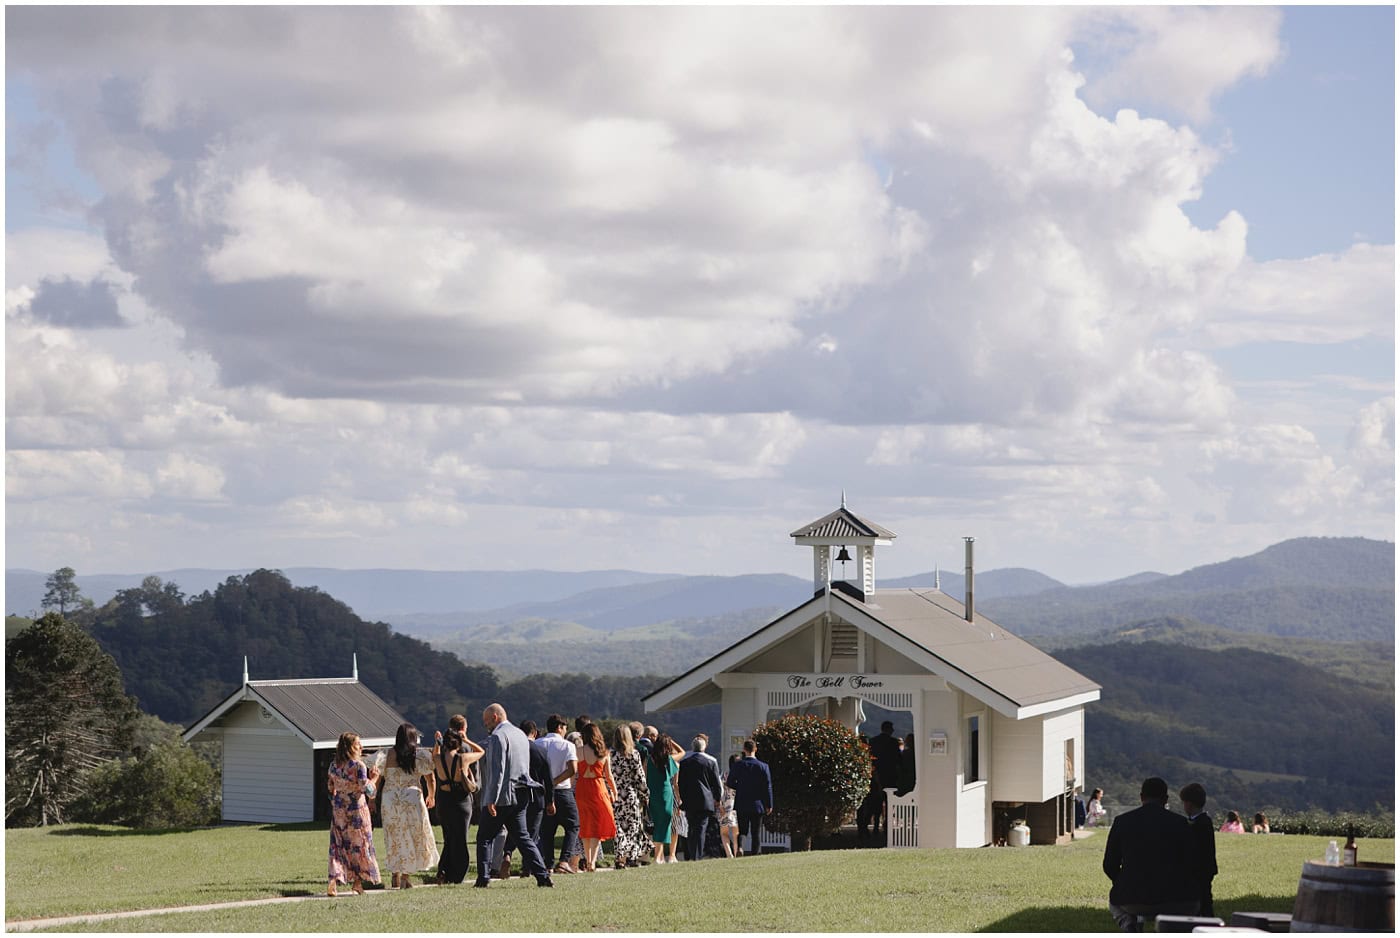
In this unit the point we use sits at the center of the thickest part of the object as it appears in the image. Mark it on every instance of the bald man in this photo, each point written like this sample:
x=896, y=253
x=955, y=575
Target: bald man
x=507, y=790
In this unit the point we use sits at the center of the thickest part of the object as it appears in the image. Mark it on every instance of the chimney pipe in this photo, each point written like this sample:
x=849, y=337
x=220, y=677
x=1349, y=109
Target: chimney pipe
x=967, y=576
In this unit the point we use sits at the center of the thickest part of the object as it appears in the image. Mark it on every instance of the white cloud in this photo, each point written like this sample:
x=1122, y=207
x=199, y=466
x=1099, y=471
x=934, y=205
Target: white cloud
x=1327, y=298
x=489, y=286
x=1182, y=57
x=1272, y=473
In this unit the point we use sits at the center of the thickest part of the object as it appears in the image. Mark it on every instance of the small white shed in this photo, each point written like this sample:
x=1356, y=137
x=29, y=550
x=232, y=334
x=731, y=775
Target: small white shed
x=279, y=738
x=998, y=724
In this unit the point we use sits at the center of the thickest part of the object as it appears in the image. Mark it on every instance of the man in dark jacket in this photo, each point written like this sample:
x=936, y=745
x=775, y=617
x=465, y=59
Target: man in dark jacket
x=1193, y=802
x=753, y=794
x=698, y=780
x=1148, y=858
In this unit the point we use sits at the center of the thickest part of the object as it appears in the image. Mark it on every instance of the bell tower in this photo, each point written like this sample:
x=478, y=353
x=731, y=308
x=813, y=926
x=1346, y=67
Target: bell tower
x=844, y=529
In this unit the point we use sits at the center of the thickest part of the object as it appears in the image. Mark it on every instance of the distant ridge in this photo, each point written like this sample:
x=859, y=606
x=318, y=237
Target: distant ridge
x=372, y=593
x=1009, y=581
x=1339, y=589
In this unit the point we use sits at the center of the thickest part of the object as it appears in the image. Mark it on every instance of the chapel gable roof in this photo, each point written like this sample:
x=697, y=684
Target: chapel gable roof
x=927, y=626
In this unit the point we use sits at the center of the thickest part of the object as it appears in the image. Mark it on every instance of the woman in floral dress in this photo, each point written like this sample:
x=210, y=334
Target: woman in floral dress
x=631, y=800
x=352, y=840
x=409, y=844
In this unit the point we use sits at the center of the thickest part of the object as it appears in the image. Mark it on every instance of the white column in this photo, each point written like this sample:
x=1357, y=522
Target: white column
x=867, y=569
x=821, y=568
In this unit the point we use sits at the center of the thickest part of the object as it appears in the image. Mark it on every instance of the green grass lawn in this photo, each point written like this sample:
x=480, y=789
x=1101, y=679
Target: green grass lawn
x=75, y=869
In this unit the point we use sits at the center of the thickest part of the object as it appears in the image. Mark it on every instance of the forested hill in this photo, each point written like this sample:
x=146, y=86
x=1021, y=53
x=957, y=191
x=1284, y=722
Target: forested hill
x=1249, y=724
x=180, y=658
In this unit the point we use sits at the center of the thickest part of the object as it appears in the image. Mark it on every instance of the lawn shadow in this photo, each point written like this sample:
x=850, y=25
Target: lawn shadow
x=298, y=826
x=85, y=831
x=1064, y=918
x=1097, y=919
x=1253, y=903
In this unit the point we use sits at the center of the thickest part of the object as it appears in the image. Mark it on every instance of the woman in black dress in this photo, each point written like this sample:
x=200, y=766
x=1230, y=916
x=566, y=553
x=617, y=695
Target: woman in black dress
x=451, y=769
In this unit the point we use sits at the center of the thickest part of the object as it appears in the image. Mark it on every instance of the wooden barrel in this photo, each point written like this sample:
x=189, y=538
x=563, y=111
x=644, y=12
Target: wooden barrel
x=1345, y=898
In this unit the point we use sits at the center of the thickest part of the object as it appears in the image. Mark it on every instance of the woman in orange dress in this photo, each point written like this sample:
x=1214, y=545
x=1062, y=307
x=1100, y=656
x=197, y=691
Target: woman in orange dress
x=595, y=791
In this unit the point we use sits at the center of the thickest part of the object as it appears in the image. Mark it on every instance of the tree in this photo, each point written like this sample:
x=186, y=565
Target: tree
x=66, y=713
x=821, y=773
x=163, y=783
x=63, y=593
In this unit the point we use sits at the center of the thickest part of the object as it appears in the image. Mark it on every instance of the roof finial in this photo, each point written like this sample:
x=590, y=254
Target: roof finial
x=245, y=669
x=936, y=584
x=843, y=498
x=355, y=665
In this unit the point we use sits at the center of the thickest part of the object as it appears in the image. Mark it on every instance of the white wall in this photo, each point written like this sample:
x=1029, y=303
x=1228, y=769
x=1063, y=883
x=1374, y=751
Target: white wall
x=267, y=776
x=1059, y=728
x=939, y=777
x=1019, y=752
x=793, y=654
x=738, y=716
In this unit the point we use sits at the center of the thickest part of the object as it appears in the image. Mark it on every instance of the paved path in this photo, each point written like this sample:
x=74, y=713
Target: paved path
x=30, y=924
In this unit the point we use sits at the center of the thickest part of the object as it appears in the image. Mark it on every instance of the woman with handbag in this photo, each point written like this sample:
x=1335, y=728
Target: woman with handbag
x=409, y=845
x=454, y=776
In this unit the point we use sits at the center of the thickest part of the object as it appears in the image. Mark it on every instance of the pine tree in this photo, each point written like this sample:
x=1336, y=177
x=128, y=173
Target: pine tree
x=63, y=593
x=66, y=713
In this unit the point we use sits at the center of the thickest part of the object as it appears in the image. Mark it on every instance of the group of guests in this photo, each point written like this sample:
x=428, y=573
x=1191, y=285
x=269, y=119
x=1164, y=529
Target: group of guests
x=1161, y=862
x=1234, y=825
x=639, y=789
x=892, y=766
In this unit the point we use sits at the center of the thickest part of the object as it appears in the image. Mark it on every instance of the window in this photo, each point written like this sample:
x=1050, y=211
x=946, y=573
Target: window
x=972, y=757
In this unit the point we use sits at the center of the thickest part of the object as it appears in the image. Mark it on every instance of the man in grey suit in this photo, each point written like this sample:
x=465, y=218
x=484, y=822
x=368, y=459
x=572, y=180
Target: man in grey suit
x=698, y=779
x=507, y=790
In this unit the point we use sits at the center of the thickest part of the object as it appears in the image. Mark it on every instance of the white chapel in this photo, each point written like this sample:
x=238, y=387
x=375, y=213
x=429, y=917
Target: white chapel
x=998, y=724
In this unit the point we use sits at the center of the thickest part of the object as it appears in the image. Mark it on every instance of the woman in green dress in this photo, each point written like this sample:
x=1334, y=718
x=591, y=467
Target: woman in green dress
x=662, y=767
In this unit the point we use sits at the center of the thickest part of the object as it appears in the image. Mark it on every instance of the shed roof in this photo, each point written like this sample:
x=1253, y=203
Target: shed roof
x=843, y=523
x=928, y=626
x=316, y=709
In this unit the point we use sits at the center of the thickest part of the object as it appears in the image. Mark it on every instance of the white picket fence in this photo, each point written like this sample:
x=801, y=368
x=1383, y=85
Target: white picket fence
x=901, y=819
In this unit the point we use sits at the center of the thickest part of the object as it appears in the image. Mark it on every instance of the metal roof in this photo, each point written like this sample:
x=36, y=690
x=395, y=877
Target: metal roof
x=979, y=657
x=317, y=709
x=843, y=523
x=980, y=649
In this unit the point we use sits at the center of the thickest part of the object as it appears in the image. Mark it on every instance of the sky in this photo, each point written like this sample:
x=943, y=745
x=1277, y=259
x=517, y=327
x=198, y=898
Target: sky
x=1109, y=289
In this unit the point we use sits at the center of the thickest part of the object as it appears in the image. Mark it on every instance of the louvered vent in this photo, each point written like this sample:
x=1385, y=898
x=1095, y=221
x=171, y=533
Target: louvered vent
x=843, y=640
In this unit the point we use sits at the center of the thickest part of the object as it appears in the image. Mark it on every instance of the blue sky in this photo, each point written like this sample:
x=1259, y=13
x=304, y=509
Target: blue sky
x=574, y=287
x=1309, y=164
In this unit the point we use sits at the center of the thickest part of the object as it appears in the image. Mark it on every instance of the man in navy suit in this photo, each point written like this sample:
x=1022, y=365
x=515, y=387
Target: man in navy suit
x=700, y=793
x=753, y=793
x=1149, y=859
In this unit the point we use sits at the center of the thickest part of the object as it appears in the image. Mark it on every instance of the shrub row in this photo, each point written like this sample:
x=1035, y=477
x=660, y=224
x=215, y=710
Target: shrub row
x=1377, y=824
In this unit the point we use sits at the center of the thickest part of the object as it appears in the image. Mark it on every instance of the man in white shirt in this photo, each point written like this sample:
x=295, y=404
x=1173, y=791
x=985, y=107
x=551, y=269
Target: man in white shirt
x=563, y=762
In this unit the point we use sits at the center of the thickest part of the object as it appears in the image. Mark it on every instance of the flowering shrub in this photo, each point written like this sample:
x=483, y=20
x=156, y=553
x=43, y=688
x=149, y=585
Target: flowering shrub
x=821, y=773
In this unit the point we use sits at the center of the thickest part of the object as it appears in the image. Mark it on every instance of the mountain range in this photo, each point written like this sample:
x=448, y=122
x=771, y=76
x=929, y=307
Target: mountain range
x=1334, y=589
x=1259, y=675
